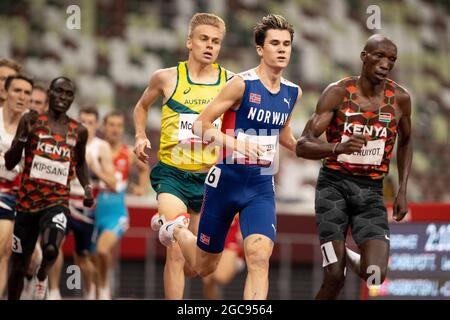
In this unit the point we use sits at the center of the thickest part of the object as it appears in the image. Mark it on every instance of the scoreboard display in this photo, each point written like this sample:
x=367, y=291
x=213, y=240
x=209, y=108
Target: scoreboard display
x=419, y=263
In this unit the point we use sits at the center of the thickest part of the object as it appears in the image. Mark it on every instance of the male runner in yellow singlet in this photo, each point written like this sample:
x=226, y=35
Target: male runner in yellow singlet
x=184, y=159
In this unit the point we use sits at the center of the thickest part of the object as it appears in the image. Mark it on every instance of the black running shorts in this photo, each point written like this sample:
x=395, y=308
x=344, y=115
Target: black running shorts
x=343, y=200
x=28, y=225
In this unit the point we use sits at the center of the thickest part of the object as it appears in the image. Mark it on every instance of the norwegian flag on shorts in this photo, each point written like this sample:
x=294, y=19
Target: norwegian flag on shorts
x=255, y=98
x=204, y=239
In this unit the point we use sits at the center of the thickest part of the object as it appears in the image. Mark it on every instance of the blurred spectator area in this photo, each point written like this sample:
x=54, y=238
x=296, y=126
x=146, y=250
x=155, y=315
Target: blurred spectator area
x=121, y=43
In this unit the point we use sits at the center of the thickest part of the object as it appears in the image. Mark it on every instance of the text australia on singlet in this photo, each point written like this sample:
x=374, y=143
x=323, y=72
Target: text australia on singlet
x=372, y=153
x=48, y=169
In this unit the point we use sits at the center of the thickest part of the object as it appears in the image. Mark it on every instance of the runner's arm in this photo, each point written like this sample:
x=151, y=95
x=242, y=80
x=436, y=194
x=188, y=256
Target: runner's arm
x=404, y=154
x=143, y=174
x=106, y=167
x=230, y=96
x=81, y=167
x=287, y=138
x=14, y=153
x=310, y=146
x=153, y=91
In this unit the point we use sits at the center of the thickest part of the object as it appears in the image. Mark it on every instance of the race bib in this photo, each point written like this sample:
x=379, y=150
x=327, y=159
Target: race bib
x=185, y=134
x=46, y=169
x=371, y=154
x=7, y=174
x=213, y=176
x=16, y=244
x=269, y=143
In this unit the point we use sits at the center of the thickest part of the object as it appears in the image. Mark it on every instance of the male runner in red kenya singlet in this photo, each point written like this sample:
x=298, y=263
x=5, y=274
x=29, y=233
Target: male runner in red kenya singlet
x=362, y=117
x=54, y=146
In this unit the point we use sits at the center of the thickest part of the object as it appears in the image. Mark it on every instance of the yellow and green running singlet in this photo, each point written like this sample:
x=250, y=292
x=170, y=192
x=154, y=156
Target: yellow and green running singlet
x=178, y=146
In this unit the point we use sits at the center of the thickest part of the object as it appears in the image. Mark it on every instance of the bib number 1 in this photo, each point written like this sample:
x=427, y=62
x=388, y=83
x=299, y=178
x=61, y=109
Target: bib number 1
x=212, y=179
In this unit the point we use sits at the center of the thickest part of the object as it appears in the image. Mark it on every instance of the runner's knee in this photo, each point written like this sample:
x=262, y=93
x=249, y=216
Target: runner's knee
x=50, y=252
x=189, y=272
x=257, y=257
x=50, y=246
x=334, y=278
x=174, y=255
x=205, y=269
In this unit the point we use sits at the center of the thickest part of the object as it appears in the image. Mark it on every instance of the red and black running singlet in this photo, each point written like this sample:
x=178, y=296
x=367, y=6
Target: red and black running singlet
x=379, y=125
x=50, y=161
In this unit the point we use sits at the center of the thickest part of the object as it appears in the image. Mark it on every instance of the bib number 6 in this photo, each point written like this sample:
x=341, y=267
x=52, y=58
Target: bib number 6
x=213, y=176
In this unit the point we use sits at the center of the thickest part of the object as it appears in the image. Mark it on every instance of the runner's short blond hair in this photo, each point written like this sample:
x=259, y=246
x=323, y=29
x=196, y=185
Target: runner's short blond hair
x=11, y=64
x=206, y=19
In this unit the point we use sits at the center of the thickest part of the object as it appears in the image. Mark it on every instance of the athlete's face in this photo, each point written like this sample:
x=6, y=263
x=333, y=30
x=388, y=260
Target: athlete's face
x=61, y=95
x=18, y=95
x=113, y=129
x=379, y=60
x=39, y=101
x=277, y=47
x=90, y=121
x=204, y=43
x=5, y=72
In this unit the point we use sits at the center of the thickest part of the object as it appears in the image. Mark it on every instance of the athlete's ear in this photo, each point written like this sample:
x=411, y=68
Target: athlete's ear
x=259, y=50
x=49, y=95
x=189, y=43
x=363, y=55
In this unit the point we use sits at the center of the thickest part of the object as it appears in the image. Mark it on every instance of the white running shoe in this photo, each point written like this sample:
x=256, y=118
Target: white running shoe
x=166, y=230
x=104, y=293
x=157, y=221
x=40, y=289
x=90, y=295
x=54, y=294
x=28, y=287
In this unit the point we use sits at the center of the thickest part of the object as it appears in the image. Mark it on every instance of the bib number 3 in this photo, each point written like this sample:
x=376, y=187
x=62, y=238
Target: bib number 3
x=212, y=179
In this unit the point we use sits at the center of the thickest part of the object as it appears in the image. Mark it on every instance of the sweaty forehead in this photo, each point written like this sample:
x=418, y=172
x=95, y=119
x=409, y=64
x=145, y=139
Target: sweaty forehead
x=4, y=70
x=22, y=84
x=384, y=45
x=88, y=116
x=113, y=119
x=63, y=84
x=277, y=34
x=38, y=91
x=210, y=31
